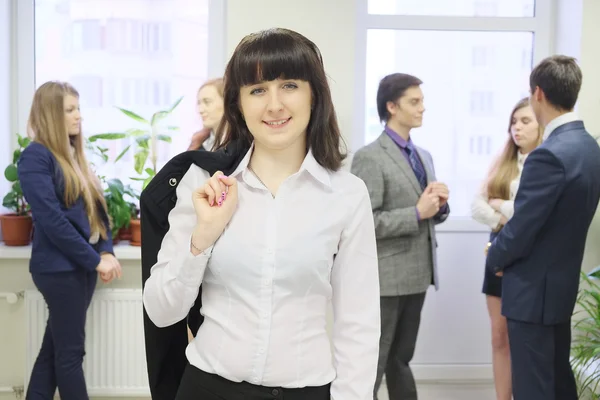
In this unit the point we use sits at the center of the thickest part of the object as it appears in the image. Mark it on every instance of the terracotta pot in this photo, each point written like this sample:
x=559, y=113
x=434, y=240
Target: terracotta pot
x=125, y=233
x=136, y=232
x=16, y=229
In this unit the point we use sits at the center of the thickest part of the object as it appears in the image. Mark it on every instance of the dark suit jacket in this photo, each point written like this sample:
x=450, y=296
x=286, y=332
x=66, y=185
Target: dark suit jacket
x=541, y=247
x=165, y=347
x=61, y=233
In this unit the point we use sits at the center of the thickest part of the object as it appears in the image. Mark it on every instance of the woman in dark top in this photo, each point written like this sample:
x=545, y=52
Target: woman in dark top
x=72, y=243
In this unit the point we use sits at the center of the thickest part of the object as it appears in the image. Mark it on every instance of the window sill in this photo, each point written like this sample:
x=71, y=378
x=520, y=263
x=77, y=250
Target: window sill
x=123, y=251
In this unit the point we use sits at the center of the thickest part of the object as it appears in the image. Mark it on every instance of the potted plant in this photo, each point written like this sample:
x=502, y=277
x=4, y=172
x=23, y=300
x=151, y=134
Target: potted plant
x=119, y=209
x=16, y=226
x=585, y=348
x=146, y=136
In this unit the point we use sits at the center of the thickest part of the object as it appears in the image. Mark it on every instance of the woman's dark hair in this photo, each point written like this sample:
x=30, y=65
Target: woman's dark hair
x=282, y=54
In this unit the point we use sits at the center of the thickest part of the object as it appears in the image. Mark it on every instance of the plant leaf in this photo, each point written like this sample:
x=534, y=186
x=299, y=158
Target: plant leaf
x=595, y=273
x=10, y=173
x=122, y=153
x=143, y=141
x=137, y=132
x=140, y=160
x=16, y=156
x=146, y=182
x=107, y=136
x=159, y=116
x=175, y=104
x=164, y=138
x=133, y=115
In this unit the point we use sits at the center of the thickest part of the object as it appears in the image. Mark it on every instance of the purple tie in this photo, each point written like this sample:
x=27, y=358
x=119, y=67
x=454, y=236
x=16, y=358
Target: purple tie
x=416, y=165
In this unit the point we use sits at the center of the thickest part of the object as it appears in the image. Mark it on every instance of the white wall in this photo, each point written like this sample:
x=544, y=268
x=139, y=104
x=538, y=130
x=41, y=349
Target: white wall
x=330, y=24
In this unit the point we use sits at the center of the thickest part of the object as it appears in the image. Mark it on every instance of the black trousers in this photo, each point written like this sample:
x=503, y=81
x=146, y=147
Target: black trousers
x=540, y=361
x=60, y=361
x=400, y=321
x=199, y=385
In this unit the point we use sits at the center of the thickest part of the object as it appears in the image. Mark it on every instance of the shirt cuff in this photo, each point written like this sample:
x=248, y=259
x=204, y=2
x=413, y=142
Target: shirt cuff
x=418, y=215
x=188, y=268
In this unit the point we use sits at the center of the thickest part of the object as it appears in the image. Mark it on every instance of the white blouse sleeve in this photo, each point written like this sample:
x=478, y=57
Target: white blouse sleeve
x=508, y=208
x=175, y=279
x=355, y=284
x=482, y=212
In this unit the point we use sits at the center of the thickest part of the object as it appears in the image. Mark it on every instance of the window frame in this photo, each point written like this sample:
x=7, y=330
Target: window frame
x=540, y=24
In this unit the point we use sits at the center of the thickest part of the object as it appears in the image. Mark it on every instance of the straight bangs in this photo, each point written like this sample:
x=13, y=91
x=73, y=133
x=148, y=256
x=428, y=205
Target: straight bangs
x=272, y=57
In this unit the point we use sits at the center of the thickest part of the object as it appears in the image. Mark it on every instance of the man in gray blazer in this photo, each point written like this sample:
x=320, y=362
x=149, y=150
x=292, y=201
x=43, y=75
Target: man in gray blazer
x=407, y=202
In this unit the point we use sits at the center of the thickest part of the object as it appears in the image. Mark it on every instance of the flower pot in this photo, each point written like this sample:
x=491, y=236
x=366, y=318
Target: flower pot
x=16, y=229
x=125, y=233
x=136, y=232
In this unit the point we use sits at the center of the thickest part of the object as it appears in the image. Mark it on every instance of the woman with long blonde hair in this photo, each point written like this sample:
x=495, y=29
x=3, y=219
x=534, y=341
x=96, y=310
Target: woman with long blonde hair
x=210, y=108
x=494, y=206
x=72, y=242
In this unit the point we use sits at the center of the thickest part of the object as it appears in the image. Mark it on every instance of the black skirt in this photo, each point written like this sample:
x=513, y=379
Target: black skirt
x=199, y=385
x=492, y=284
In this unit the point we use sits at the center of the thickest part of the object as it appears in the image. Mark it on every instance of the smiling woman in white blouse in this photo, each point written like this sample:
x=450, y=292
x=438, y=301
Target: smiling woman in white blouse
x=493, y=206
x=274, y=243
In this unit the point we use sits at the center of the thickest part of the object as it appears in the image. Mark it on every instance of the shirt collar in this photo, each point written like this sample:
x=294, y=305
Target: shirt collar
x=309, y=165
x=399, y=140
x=521, y=157
x=559, y=121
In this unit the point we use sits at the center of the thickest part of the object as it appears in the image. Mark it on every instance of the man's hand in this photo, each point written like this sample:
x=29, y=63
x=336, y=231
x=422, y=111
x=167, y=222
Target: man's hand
x=441, y=191
x=429, y=204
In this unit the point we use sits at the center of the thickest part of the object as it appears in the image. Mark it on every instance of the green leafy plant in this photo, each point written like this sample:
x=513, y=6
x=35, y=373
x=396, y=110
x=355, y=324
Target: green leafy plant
x=146, y=136
x=14, y=199
x=585, y=348
x=119, y=209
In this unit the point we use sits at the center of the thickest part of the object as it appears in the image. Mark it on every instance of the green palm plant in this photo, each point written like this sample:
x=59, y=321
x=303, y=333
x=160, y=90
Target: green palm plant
x=585, y=347
x=146, y=136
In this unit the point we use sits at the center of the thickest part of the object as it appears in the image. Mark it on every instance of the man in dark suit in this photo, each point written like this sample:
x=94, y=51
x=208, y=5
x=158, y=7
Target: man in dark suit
x=539, y=251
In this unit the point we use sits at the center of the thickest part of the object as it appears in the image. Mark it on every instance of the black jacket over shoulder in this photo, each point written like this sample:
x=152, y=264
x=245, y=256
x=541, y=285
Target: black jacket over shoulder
x=165, y=347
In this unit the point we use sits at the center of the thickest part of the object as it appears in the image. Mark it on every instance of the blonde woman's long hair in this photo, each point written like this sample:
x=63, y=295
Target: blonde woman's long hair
x=47, y=126
x=505, y=168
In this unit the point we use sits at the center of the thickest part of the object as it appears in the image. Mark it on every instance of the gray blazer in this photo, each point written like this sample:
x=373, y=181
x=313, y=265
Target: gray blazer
x=406, y=247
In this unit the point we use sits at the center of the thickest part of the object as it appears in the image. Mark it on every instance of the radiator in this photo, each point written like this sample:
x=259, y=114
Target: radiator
x=115, y=360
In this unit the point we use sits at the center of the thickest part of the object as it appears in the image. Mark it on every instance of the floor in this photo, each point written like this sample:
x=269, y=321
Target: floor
x=450, y=391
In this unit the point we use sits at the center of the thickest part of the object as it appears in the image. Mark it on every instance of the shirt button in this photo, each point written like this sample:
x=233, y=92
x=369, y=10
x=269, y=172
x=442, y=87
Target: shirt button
x=275, y=392
x=260, y=351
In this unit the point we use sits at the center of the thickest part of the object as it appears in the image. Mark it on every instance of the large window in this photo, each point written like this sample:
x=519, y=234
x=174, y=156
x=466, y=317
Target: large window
x=474, y=58
x=140, y=55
